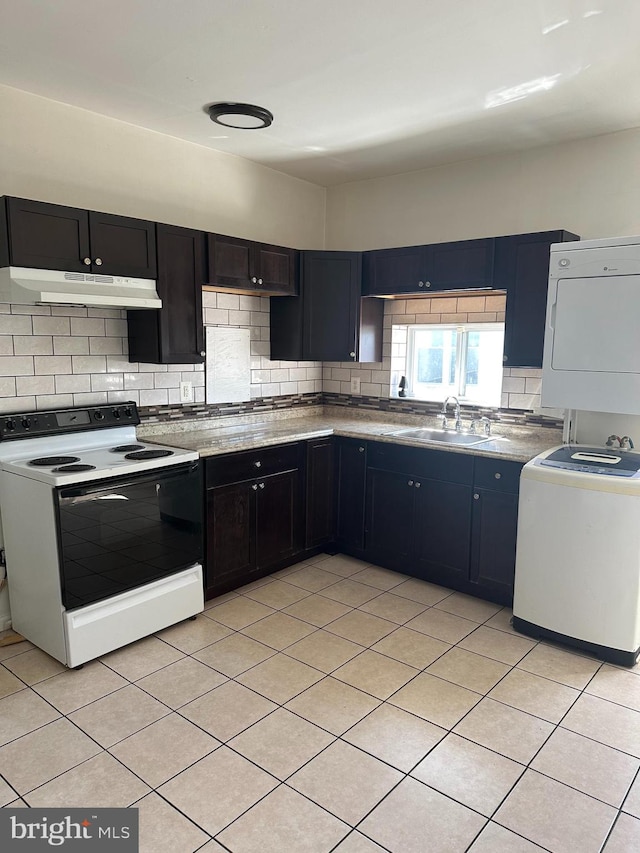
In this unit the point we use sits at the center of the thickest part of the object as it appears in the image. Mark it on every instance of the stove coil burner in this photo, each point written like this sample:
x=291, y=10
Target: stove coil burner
x=127, y=448
x=71, y=468
x=54, y=460
x=149, y=454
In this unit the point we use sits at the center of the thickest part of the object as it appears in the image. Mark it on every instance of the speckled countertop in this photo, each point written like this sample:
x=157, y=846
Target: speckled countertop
x=229, y=435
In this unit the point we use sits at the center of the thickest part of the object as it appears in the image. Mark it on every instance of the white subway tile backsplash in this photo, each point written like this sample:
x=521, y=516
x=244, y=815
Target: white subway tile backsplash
x=106, y=313
x=26, y=385
x=6, y=345
x=138, y=380
x=533, y=385
x=250, y=303
x=87, y=326
x=88, y=364
x=64, y=345
x=16, y=365
x=240, y=318
x=228, y=300
x=513, y=384
x=216, y=316
x=105, y=346
x=154, y=398
x=259, y=318
x=17, y=404
x=7, y=386
x=54, y=401
x=122, y=397
x=50, y=326
x=107, y=382
x=209, y=299
x=167, y=380
x=91, y=399
x=73, y=383
x=68, y=311
x=116, y=328
x=28, y=309
x=32, y=345
x=15, y=324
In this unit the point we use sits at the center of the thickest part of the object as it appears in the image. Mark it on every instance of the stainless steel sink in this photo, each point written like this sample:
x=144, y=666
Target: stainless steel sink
x=441, y=436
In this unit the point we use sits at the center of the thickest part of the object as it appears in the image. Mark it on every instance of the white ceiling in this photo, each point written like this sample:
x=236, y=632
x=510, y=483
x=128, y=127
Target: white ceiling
x=359, y=88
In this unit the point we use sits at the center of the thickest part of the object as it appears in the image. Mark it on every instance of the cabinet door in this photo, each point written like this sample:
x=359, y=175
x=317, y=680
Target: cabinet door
x=175, y=333
x=230, y=535
x=331, y=283
x=388, y=271
x=122, y=246
x=351, y=476
x=277, y=518
x=276, y=269
x=493, y=541
x=442, y=523
x=231, y=262
x=320, y=492
x=390, y=526
x=466, y=264
x=47, y=236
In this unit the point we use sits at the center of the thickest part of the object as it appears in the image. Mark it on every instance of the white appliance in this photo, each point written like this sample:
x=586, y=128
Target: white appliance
x=24, y=286
x=578, y=550
x=591, y=352
x=101, y=534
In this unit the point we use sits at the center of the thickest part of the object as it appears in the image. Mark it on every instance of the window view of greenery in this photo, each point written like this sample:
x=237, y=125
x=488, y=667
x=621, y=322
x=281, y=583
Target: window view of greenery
x=463, y=361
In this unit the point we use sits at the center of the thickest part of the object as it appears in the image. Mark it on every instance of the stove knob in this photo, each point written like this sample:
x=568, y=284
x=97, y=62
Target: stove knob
x=26, y=423
x=10, y=425
x=128, y=412
x=116, y=413
x=99, y=416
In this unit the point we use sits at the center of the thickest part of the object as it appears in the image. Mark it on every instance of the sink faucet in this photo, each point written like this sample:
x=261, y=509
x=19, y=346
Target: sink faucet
x=484, y=421
x=458, y=423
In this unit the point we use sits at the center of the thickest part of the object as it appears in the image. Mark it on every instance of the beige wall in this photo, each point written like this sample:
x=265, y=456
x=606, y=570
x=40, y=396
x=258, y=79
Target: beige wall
x=54, y=152
x=590, y=187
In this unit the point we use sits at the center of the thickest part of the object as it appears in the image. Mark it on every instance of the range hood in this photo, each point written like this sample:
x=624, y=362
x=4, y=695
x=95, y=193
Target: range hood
x=24, y=286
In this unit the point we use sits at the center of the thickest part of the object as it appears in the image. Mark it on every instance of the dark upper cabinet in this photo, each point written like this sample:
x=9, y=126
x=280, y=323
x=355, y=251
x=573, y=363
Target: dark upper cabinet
x=522, y=269
x=174, y=334
x=350, y=481
x=51, y=236
x=330, y=320
x=465, y=264
x=251, y=267
x=319, y=492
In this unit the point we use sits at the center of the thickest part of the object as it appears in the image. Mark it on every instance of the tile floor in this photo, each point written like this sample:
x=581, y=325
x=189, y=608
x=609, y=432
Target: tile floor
x=334, y=706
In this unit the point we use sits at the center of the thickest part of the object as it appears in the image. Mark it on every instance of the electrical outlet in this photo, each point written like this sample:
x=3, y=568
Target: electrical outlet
x=355, y=384
x=186, y=392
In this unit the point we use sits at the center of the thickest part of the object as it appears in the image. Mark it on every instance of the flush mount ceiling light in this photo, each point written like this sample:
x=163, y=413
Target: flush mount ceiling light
x=242, y=116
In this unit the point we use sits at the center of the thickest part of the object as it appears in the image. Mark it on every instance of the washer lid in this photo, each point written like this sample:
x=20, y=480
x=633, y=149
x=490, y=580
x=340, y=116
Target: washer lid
x=593, y=460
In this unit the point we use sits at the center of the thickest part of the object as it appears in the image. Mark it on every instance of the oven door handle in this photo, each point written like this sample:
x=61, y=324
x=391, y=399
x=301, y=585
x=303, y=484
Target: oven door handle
x=109, y=483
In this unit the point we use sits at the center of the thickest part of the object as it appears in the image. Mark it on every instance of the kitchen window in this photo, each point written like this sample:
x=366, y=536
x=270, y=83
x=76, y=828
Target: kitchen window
x=465, y=361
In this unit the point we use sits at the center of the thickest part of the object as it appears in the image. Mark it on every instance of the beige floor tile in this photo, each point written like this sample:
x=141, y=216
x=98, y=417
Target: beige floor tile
x=101, y=781
x=220, y=599
x=278, y=594
x=213, y=847
x=443, y=626
x=284, y=821
x=587, y=765
x=383, y=579
x=332, y=705
x=560, y=665
x=142, y=658
x=118, y=715
x=617, y=686
x=324, y=651
x=605, y=722
x=414, y=815
x=394, y=736
x=625, y=836
x=468, y=607
x=505, y=730
x=348, y=591
x=9, y=683
x=362, y=628
x=345, y=781
x=343, y=565
x=502, y=621
x=7, y=794
x=313, y=578
x=21, y=713
x=421, y=592
x=227, y=710
x=469, y=670
x=435, y=700
x=280, y=678
x=164, y=830
x=469, y=773
x=181, y=682
x=218, y=789
x=317, y=610
x=234, y=654
x=632, y=802
x=356, y=843
x=497, y=839
x=164, y=749
x=238, y=612
x=34, y=666
x=376, y=674
x=554, y=816
x=411, y=647
x=393, y=607
x=74, y=688
x=14, y=649
x=192, y=635
x=535, y=695
x=498, y=645
x=37, y=757
x=278, y=630
x=256, y=584
x=281, y=743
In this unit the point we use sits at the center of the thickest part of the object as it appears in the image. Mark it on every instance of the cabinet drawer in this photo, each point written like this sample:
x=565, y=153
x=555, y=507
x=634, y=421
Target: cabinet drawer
x=433, y=464
x=247, y=465
x=497, y=474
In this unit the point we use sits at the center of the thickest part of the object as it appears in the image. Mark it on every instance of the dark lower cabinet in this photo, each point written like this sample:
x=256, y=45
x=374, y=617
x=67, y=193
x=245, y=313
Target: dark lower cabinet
x=350, y=481
x=277, y=515
x=230, y=540
x=319, y=492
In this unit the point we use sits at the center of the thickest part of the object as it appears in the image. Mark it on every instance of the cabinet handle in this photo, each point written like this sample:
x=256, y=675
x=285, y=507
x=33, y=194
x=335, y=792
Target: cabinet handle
x=258, y=464
x=417, y=485
x=410, y=483
x=259, y=281
x=361, y=450
x=498, y=476
x=476, y=497
x=421, y=284
x=254, y=279
x=98, y=262
x=255, y=487
x=202, y=353
x=352, y=354
x=86, y=262
x=427, y=284
x=261, y=485
x=505, y=358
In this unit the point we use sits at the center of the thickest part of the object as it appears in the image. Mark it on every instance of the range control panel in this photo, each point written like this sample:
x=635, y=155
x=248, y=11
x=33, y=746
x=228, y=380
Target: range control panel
x=25, y=424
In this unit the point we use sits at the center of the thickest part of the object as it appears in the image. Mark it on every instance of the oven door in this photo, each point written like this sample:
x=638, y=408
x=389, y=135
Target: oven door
x=122, y=533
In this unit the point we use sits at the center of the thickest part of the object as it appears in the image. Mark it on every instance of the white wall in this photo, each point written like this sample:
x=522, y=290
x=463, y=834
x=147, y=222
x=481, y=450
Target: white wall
x=590, y=187
x=53, y=152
